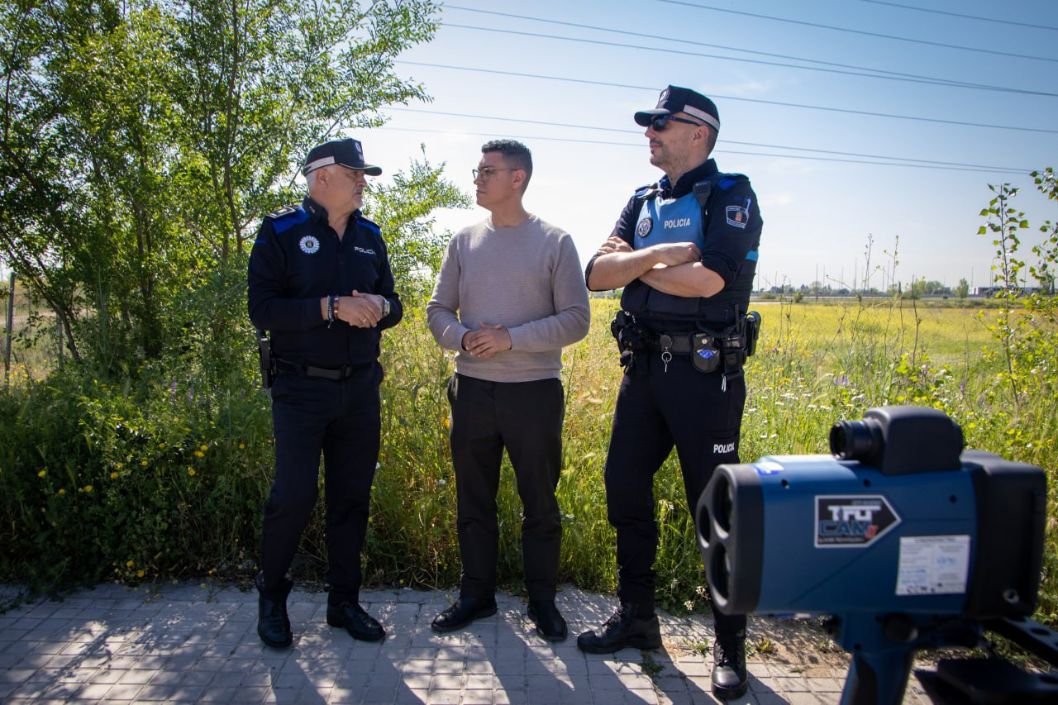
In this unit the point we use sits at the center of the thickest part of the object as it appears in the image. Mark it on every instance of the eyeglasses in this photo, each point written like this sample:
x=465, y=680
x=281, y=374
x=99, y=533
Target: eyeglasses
x=660, y=122
x=486, y=172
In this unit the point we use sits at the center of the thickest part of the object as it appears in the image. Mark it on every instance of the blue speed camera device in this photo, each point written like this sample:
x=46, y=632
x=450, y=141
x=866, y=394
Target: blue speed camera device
x=904, y=539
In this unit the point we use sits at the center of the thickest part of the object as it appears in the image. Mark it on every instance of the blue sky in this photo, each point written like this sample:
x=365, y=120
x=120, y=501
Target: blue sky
x=819, y=215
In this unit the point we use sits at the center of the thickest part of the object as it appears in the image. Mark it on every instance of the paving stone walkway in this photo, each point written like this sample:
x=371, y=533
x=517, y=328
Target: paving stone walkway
x=197, y=643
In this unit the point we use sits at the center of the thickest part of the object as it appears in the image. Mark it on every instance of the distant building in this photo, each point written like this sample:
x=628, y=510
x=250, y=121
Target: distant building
x=991, y=291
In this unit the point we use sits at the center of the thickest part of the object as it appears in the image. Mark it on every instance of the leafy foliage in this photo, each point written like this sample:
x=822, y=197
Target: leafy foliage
x=142, y=140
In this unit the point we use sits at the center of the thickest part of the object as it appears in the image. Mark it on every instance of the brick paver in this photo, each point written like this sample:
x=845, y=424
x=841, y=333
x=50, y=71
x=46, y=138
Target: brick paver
x=197, y=643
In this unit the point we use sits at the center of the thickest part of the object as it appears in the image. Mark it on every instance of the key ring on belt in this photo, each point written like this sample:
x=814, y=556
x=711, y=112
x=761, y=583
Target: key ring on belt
x=665, y=342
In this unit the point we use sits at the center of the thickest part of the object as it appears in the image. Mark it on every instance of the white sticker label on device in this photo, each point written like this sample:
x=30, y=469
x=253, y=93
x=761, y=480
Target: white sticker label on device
x=933, y=565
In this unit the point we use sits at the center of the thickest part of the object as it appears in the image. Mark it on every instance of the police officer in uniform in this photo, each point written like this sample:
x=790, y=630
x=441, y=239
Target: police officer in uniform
x=685, y=251
x=320, y=281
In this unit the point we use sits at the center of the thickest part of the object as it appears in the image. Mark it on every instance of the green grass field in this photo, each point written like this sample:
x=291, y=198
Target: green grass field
x=816, y=364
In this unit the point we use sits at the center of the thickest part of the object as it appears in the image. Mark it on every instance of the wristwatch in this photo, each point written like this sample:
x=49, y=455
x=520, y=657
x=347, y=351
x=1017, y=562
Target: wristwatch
x=386, y=307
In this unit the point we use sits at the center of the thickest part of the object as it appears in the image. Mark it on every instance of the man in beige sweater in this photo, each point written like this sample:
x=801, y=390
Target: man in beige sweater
x=509, y=296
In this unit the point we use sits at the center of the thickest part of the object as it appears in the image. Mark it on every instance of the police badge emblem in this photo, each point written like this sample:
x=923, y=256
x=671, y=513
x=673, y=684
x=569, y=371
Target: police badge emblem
x=309, y=245
x=644, y=227
x=738, y=216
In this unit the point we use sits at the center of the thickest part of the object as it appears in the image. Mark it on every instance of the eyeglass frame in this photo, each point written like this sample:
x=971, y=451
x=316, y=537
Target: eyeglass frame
x=659, y=123
x=488, y=171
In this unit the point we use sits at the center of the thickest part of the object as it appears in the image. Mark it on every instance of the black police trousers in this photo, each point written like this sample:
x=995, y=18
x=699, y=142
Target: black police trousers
x=657, y=409
x=526, y=419
x=340, y=419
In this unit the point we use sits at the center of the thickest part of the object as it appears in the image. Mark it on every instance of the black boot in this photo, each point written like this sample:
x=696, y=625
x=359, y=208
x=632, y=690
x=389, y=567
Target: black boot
x=626, y=628
x=548, y=620
x=730, y=679
x=273, y=625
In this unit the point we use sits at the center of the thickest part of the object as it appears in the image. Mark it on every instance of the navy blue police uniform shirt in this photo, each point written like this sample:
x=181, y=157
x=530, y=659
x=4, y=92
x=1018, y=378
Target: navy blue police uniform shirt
x=298, y=259
x=728, y=241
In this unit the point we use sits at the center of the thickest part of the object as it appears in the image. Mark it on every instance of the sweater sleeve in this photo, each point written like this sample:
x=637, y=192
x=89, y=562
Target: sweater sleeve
x=441, y=316
x=572, y=314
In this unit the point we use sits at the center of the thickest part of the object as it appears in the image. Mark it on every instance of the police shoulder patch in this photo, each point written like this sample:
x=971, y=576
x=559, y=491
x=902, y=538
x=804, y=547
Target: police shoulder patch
x=644, y=226
x=370, y=225
x=646, y=192
x=285, y=210
x=737, y=214
x=730, y=180
x=286, y=218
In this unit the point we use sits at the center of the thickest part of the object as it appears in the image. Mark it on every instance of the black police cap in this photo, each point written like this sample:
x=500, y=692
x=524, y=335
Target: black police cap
x=347, y=153
x=675, y=99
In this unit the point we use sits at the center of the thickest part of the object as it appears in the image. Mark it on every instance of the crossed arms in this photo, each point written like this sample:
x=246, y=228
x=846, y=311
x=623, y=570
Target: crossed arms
x=671, y=268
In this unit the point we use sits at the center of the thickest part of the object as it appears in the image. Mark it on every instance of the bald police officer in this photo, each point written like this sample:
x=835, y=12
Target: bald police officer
x=320, y=281
x=685, y=251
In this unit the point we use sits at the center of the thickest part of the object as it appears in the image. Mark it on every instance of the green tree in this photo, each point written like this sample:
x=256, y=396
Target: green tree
x=963, y=289
x=143, y=139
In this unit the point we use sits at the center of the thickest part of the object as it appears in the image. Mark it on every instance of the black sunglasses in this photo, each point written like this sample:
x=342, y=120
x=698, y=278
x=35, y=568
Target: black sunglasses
x=660, y=122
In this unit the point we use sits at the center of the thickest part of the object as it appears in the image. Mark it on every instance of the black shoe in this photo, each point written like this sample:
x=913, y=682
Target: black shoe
x=730, y=679
x=549, y=622
x=273, y=624
x=462, y=612
x=624, y=629
x=352, y=617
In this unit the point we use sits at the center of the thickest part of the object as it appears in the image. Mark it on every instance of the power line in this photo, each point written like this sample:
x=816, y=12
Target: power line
x=1002, y=169
x=600, y=42
x=760, y=101
x=719, y=150
x=724, y=47
x=894, y=37
x=995, y=20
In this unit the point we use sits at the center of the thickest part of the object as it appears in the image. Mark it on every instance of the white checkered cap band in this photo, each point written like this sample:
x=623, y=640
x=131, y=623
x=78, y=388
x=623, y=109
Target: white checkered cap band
x=317, y=164
x=703, y=116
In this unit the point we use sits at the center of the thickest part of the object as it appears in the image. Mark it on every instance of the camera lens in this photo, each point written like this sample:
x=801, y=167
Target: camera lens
x=857, y=440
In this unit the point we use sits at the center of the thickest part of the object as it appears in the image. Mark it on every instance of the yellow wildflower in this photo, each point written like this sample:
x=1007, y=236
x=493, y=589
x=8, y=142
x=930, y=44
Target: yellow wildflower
x=42, y=473
x=191, y=472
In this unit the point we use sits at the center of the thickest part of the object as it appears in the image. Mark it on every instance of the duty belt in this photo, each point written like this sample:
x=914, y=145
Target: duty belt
x=335, y=375
x=679, y=343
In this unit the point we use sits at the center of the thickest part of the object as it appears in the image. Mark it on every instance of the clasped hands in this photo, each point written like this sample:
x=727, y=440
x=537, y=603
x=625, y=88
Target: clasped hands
x=359, y=310
x=487, y=340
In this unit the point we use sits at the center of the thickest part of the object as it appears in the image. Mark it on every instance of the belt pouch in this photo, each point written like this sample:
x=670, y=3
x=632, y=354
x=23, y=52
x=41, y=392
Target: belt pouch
x=704, y=355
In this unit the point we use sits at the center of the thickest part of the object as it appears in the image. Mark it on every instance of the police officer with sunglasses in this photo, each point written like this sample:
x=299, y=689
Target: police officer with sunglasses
x=685, y=251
